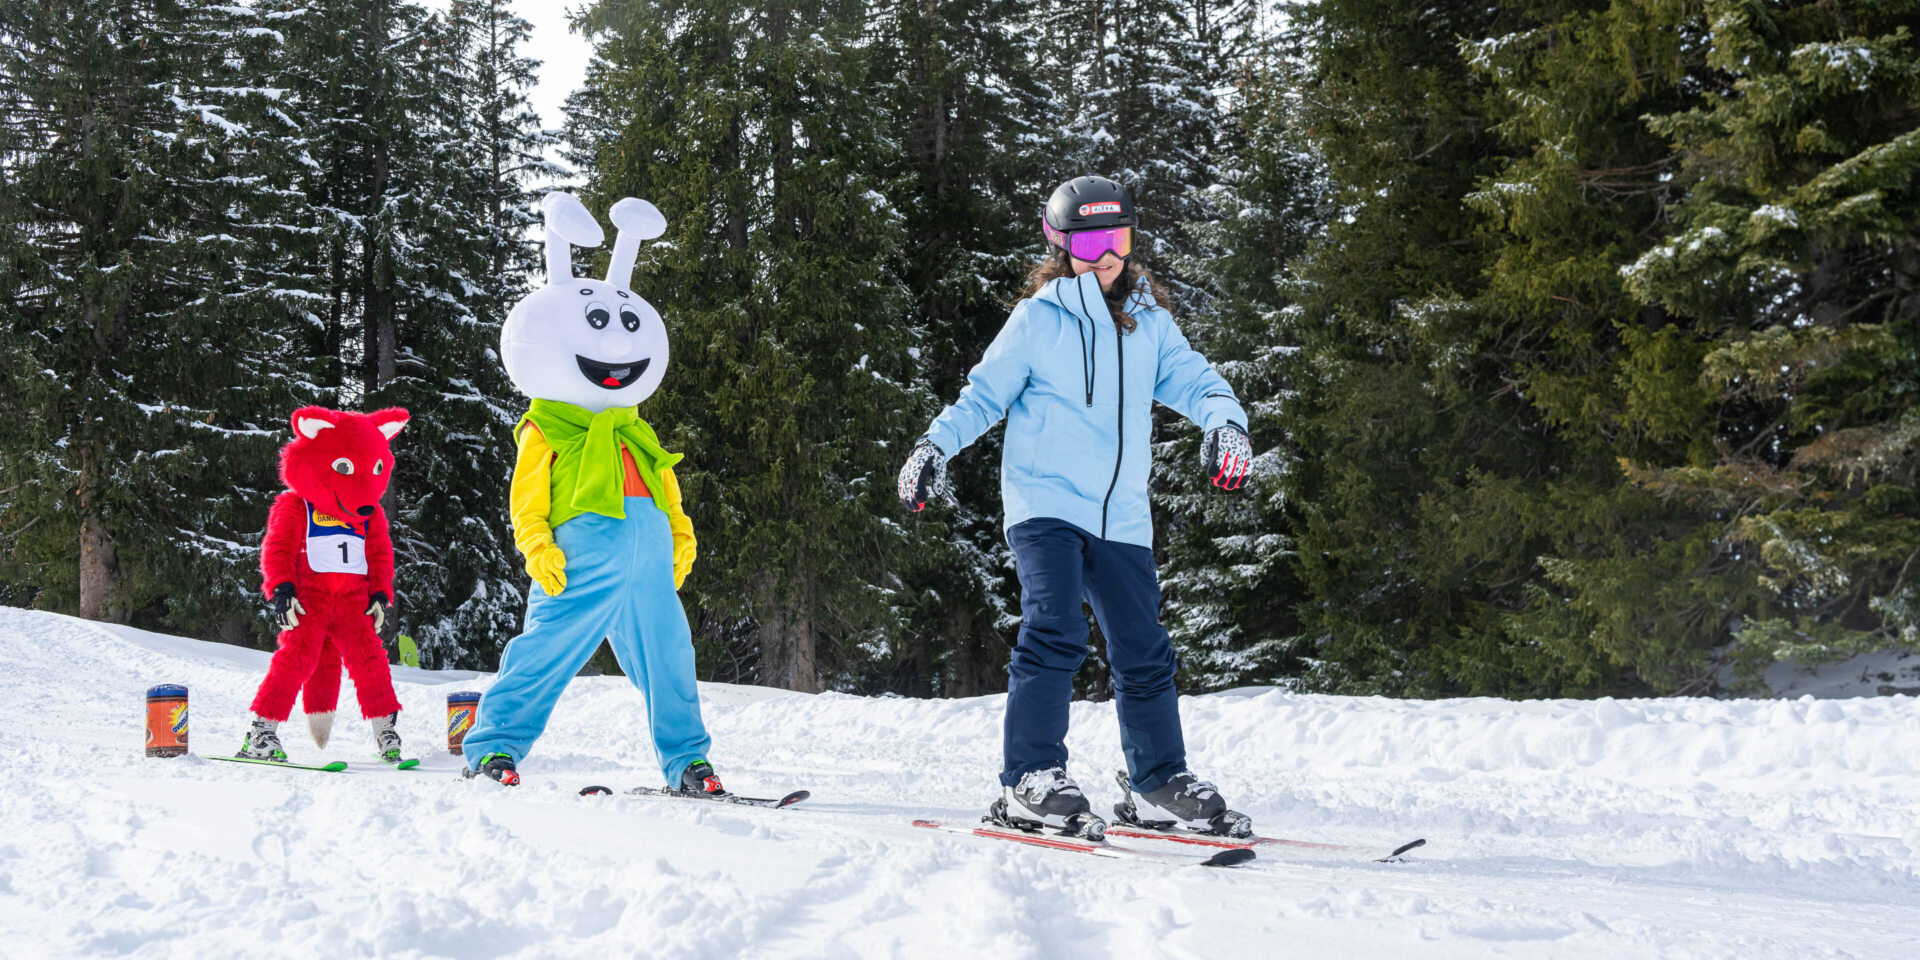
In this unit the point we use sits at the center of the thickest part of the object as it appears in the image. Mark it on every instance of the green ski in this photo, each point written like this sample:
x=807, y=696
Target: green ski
x=334, y=767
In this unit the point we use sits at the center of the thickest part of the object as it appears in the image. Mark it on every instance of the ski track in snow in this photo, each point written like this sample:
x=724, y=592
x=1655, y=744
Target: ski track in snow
x=1616, y=829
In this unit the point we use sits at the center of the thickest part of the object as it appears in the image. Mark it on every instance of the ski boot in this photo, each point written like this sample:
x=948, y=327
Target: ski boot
x=700, y=780
x=497, y=766
x=1184, y=801
x=1047, y=798
x=262, y=742
x=386, y=739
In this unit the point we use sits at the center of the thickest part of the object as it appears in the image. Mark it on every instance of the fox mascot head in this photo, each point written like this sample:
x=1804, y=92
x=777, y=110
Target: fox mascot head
x=341, y=461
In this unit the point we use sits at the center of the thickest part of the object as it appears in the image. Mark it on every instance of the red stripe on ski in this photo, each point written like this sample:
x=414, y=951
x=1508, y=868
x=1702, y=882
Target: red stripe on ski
x=1225, y=858
x=1017, y=836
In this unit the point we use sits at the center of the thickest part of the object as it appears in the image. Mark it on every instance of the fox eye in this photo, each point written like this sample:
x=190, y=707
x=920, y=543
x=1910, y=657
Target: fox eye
x=377, y=464
x=343, y=465
x=629, y=318
x=598, y=315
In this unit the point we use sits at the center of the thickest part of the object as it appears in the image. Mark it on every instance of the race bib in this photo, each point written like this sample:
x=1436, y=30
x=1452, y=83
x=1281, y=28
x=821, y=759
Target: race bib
x=333, y=545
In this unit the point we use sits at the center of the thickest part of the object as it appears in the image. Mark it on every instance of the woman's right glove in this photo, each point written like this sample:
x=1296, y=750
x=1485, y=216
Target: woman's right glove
x=548, y=567
x=1227, y=456
x=923, y=477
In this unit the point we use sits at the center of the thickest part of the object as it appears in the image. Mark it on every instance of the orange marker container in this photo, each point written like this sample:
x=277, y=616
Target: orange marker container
x=462, y=707
x=166, y=720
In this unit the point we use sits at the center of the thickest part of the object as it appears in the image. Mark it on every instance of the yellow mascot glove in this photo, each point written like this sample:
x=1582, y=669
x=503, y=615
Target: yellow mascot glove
x=685, y=548
x=548, y=567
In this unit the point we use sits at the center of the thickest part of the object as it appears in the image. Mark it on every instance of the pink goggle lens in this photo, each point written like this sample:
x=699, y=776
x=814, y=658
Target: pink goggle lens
x=1091, y=245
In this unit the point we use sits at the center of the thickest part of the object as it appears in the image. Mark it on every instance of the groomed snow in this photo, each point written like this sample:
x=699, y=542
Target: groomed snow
x=1616, y=829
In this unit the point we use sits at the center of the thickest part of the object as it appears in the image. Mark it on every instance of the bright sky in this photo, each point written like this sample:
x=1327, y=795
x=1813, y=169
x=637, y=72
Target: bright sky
x=562, y=53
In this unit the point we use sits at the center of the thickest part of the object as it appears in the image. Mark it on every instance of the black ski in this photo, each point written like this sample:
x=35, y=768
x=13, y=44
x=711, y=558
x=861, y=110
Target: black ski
x=786, y=801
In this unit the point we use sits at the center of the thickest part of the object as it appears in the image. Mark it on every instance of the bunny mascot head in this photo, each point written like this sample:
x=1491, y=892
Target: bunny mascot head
x=591, y=343
x=595, y=505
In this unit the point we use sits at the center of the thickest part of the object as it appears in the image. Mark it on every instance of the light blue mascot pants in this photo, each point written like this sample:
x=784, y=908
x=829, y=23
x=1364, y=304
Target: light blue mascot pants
x=620, y=587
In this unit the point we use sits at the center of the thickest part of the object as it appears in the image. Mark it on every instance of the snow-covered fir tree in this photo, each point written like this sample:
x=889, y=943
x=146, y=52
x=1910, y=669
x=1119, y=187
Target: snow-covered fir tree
x=974, y=128
x=152, y=319
x=482, y=157
x=792, y=389
x=1228, y=575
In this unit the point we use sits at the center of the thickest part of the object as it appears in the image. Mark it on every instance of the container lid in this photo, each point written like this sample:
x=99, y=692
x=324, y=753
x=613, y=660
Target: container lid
x=464, y=695
x=167, y=690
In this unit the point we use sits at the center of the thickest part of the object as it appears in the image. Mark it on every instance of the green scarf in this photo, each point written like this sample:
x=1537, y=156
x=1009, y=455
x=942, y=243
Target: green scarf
x=587, y=473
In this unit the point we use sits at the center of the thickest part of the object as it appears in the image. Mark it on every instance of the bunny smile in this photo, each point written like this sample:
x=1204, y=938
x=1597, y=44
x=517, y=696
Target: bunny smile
x=612, y=376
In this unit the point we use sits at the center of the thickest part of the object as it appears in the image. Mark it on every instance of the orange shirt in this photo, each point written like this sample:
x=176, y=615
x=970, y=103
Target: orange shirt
x=633, y=486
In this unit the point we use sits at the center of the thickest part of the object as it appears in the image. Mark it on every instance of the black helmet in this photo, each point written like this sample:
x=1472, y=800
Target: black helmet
x=1087, y=203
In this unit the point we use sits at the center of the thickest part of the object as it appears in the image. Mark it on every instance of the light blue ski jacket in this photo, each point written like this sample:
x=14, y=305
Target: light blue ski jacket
x=1078, y=398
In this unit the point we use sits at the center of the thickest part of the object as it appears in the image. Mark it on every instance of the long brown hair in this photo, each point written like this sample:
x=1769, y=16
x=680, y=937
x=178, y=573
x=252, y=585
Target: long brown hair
x=1135, y=277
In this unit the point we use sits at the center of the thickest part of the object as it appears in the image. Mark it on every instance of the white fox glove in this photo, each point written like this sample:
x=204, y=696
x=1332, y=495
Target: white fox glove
x=1227, y=455
x=287, y=610
x=923, y=477
x=377, y=609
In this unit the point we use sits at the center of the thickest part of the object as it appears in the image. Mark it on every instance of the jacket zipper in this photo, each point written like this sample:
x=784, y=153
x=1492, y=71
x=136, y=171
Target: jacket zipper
x=1120, y=450
x=1120, y=416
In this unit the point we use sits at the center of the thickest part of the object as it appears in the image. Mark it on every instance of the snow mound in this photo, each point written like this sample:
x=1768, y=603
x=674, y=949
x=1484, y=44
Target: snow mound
x=1618, y=828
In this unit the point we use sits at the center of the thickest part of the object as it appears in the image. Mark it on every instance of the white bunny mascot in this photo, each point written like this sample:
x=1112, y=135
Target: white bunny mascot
x=596, y=509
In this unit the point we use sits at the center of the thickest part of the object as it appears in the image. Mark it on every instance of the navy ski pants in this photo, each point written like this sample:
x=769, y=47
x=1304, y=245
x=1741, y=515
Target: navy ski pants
x=1059, y=564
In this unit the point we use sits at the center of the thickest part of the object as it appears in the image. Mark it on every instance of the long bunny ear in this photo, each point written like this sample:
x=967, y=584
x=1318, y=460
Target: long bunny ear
x=637, y=220
x=568, y=223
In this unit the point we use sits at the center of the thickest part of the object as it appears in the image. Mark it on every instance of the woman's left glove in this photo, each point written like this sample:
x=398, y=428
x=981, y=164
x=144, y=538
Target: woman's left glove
x=1227, y=456
x=923, y=477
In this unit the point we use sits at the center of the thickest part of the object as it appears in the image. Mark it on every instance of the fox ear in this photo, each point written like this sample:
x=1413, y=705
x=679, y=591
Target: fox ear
x=309, y=421
x=389, y=421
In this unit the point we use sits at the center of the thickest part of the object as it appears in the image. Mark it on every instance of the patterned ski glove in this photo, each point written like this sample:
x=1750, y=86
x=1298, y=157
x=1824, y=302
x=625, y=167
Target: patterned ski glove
x=923, y=477
x=548, y=567
x=287, y=610
x=1227, y=456
x=377, y=609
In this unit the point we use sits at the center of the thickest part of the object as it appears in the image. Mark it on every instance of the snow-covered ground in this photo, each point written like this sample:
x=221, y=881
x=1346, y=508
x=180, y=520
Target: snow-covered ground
x=1617, y=829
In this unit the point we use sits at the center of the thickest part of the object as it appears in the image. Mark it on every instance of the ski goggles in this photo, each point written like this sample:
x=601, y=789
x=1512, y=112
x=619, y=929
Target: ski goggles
x=1091, y=245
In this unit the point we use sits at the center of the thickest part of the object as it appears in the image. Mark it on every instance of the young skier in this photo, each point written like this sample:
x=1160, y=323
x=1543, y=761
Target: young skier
x=326, y=564
x=1076, y=371
x=595, y=506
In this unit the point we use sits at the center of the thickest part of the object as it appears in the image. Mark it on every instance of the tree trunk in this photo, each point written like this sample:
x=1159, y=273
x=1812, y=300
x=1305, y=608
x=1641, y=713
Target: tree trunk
x=99, y=564
x=786, y=643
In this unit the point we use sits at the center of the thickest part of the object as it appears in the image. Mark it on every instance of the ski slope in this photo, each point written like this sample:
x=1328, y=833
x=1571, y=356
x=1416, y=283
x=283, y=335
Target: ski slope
x=1616, y=829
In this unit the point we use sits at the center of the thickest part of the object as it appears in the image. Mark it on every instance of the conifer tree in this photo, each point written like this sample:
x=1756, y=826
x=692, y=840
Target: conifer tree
x=150, y=316
x=1407, y=433
x=790, y=387
x=1229, y=576
x=1790, y=258
x=973, y=128
x=418, y=149
x=470, y=221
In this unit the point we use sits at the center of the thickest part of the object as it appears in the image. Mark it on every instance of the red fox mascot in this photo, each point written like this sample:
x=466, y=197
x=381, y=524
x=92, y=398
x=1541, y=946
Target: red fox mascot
x=327, y=567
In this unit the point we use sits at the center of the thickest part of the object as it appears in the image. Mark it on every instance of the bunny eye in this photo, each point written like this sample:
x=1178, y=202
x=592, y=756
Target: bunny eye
x=377, y=464
x=598, y=315
x=343, y=466
x=629, y=318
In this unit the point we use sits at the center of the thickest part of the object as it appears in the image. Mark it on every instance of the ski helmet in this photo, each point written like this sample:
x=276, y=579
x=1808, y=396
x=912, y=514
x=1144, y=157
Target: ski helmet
x=1089, y=203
